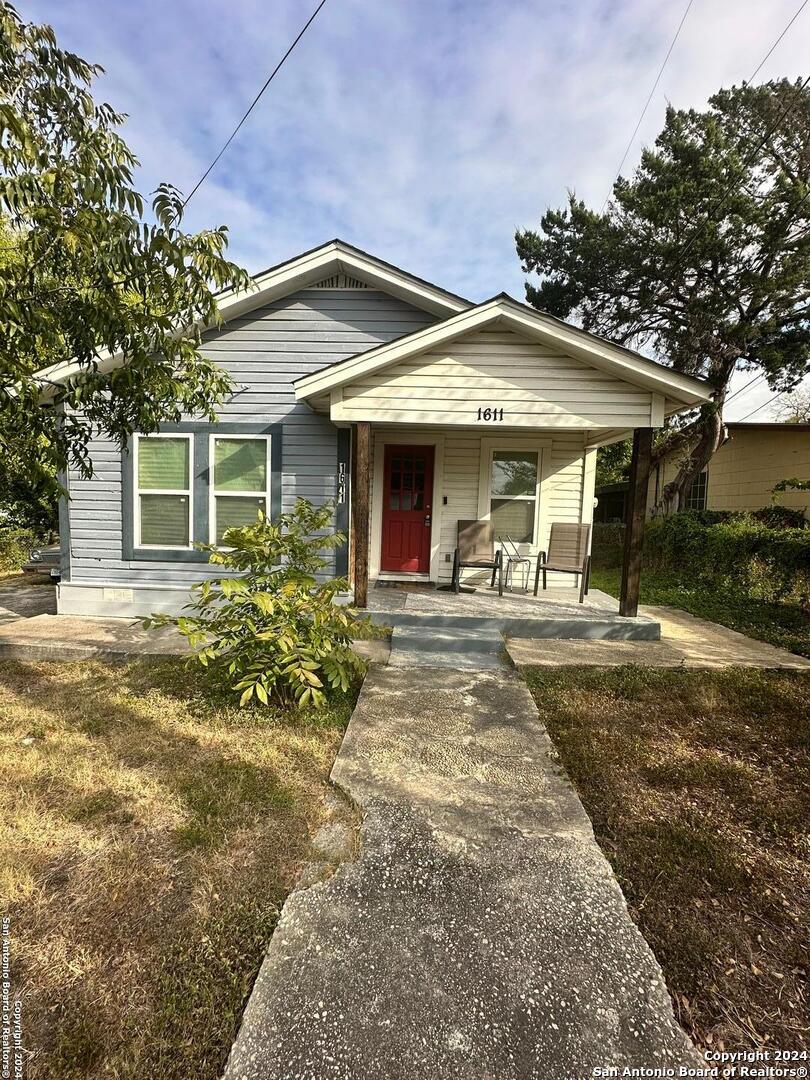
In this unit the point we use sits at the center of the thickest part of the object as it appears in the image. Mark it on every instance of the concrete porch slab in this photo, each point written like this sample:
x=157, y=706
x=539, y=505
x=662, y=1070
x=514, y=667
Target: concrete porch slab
x=554, y=614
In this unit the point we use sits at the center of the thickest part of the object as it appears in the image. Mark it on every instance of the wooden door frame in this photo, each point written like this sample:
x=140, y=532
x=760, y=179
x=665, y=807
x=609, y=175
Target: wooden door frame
x=383, y=438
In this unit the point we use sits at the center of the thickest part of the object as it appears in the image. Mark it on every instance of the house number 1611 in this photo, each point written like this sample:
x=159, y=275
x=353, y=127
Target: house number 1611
x=490, y=414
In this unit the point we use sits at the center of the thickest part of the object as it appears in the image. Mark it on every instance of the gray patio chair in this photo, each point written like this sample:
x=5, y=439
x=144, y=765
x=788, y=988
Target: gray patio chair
x=513, y=559
x=567, y=554
x=475, y=548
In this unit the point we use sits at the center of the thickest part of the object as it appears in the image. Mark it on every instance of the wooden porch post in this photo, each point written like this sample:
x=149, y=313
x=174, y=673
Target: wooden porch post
x=635, y=514
x=361, y=486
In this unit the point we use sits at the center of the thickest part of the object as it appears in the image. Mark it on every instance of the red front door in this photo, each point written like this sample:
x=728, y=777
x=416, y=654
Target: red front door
x=408, y=493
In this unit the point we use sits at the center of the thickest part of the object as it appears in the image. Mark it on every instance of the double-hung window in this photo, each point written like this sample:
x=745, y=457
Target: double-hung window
x=513, y=494
x=240, y=481
x=696, y=495
x=163, y=470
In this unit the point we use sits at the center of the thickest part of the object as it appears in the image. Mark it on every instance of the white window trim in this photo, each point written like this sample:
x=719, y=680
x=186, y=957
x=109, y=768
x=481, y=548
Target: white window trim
x=488, y=448
x=213, y=495
x=138, y=491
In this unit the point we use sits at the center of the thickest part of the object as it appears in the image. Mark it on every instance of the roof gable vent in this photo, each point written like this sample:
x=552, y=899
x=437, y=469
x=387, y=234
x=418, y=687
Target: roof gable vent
x=340, y=281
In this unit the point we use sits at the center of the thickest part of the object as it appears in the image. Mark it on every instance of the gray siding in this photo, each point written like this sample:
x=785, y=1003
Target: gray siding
x=264, y=352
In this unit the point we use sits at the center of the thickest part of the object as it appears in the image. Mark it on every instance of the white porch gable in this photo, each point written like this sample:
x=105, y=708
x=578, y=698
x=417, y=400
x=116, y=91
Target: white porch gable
x=505, y=365
x=497, y=377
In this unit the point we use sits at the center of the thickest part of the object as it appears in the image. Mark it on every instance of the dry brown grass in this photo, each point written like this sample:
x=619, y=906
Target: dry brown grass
x=148, y=836
x=698, y=785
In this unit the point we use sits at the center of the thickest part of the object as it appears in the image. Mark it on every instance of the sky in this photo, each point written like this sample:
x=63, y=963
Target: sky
x=424, y=131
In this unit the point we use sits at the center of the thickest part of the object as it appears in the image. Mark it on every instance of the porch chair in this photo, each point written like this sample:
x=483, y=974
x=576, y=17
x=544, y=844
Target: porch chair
x=513, y=559
x=568, y=554
x=475, y=548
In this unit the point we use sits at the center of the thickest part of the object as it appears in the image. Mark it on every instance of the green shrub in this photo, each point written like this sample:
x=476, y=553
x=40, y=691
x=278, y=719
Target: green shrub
x=15, y=547
x=608, y=544
x=780, y=517
x=738, y=554
x=270, y=628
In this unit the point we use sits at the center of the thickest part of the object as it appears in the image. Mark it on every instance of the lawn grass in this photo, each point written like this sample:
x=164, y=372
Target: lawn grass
x=698, y=786
x=785, y=625
x=149, y=833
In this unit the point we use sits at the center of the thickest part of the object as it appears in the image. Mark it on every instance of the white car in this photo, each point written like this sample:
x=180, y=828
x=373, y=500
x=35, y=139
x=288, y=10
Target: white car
x=45, y=560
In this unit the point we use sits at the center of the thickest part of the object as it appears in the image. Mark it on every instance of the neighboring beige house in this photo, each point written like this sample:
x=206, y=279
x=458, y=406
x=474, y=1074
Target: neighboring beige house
x=740, y=476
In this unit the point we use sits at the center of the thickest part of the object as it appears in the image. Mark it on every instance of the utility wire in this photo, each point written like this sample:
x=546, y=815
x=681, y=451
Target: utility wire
x=711, y=214
x=650, y=97
x=798, y=12
x=747, y=386
x=757, y=409
x=255, y=102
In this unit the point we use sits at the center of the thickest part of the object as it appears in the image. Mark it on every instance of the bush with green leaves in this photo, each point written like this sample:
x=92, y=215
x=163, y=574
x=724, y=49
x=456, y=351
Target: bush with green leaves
x=739, y=553
x=269, y=626
x=15, y=547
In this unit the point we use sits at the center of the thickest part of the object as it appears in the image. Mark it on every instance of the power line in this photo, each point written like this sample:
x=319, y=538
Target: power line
x=255, y=101
x=650, y=97
x=798, y=12
x=712, y=212
x=785, y=112
x=757, y=409
x=747, y=386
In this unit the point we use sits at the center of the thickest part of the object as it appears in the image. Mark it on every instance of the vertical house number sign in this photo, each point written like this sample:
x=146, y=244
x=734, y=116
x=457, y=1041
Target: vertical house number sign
x=341, y=482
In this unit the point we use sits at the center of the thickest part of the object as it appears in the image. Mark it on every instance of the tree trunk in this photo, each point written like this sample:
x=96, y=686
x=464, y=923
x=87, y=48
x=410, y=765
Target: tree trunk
x=710, y=435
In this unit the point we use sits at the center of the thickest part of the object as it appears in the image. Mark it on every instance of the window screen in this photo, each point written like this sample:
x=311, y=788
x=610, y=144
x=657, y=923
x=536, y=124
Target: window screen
x=241, y=484
x=163, y=491
x=513, y=494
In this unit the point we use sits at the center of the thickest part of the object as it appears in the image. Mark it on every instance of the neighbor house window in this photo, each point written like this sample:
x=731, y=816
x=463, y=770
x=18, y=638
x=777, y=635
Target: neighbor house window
x=696, y=495
x=241, y=482
x=513, y=494
x=163, y=471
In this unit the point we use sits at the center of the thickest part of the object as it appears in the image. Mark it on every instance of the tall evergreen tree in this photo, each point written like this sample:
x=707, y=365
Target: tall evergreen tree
x=701, y=258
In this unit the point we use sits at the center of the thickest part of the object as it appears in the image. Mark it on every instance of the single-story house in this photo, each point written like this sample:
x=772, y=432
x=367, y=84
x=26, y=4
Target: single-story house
x=740, y=476
x=408, y=407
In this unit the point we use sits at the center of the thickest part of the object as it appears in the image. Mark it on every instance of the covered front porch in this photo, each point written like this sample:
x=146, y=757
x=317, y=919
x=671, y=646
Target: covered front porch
x=552, y=614
x=412, y=489
x=493, y=416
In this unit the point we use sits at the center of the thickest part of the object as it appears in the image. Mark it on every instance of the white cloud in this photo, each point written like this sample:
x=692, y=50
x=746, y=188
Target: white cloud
x=425, y=132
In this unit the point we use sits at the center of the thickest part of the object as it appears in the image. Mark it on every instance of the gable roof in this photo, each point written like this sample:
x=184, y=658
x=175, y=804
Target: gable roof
x=307, y=270
x=338, y=257
x=503, y=310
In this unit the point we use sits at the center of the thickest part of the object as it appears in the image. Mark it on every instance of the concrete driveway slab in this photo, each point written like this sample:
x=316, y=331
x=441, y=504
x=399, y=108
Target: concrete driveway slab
x=480, y=934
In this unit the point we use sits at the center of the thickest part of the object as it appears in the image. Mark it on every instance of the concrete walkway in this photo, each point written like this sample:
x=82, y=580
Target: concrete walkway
x=686, y=641
x=24, y=597
x=480, y=935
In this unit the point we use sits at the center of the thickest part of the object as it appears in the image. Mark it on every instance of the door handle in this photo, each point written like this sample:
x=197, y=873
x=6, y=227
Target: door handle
x=427, y=519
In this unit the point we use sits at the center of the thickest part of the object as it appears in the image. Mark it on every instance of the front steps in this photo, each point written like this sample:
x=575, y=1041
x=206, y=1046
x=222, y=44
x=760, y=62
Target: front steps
x=435, y=646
